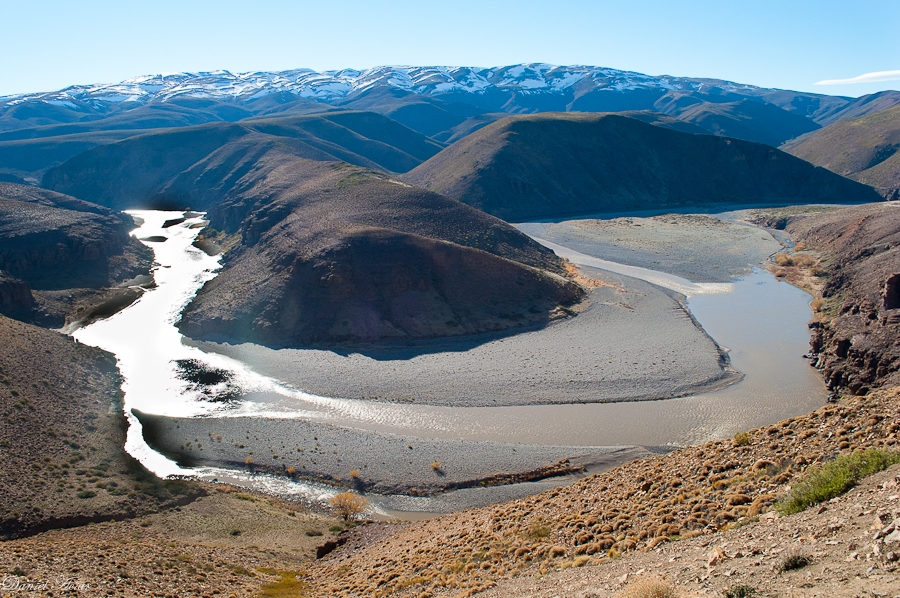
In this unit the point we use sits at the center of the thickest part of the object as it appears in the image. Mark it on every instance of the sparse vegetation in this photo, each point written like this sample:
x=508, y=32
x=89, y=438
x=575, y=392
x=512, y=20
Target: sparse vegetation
x=349, y=505
x=835, y=478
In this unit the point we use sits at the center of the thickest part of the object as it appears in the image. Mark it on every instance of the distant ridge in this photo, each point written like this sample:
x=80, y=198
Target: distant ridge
x=865, y=149
x=41, y=130
x=548, y=165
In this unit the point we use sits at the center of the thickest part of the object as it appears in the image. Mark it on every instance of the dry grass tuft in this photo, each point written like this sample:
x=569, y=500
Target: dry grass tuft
x=649, y=587
x=741, y=439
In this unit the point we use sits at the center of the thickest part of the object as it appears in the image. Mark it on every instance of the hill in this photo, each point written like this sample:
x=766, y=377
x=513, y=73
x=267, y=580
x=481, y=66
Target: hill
x=338, y=253
x=174, y=166
x=551, y=165
x=865, y=149
x=748, y=120
x=59, y=253
x=63, y=434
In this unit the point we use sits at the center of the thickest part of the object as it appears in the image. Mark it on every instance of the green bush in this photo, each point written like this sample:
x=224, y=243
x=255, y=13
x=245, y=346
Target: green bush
x=835, y=478
x=741, y=591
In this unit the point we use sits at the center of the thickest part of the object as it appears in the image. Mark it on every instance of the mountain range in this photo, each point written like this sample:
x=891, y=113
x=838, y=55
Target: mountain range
x=444, y=103
x=367, y=205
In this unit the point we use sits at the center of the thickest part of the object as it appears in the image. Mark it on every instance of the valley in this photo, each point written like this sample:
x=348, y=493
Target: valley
x=540, y=318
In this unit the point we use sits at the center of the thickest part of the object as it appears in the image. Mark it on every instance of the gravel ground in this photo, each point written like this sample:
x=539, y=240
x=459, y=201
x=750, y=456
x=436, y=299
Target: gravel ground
x=633, y=341
x=364, y=460
x=698, y=247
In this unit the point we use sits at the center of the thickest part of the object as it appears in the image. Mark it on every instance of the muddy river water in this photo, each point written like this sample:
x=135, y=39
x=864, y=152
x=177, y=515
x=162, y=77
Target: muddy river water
x=758, y=320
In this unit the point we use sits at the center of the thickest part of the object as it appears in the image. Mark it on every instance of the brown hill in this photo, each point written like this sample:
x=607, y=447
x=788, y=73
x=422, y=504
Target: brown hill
x=557, y=164
x=62, y=435
x=865, y=149
x=339, y=253
x=174, y=167
x=748, y=120
x=861, y=106
x=855, y=343
x=56, y=250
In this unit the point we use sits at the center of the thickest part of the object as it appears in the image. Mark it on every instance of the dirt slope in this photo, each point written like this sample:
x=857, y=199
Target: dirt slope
x=59, y=254
x=854, y=342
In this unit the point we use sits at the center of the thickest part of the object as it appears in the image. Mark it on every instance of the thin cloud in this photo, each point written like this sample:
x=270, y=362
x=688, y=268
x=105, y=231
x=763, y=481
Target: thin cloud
x=866, y=78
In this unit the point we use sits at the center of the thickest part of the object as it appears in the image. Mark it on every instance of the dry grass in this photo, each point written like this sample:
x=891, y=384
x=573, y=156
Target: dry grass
x=649, y=587
x=288, y=585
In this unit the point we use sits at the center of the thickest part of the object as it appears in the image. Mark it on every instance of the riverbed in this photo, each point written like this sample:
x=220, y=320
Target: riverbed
x=729, y=350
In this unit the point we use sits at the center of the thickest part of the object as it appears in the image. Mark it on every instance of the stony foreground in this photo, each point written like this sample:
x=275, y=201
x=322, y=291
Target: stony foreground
x=226, y=544
x=851, y=542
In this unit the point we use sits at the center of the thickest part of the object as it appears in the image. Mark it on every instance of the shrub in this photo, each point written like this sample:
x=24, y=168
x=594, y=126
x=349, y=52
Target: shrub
x=86, y=494
x=348, y=505
x=287, y=584
x=835, y=478
x=740, y=592
x=436, y=466
x=354, y=473
x=741, y=439
x=782, y=259
x=793, y=561
x=649, y=587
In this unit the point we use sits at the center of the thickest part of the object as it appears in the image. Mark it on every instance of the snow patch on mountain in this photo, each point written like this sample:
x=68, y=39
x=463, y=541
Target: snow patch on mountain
x=329, y=86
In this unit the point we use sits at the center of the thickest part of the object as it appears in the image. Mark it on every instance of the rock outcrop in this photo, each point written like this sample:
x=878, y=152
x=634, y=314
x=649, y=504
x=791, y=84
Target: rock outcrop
x=54, y=248
x=854, y=343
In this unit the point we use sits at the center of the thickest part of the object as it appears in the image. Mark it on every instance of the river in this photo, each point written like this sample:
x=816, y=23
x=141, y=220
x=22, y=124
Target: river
x=761, y=322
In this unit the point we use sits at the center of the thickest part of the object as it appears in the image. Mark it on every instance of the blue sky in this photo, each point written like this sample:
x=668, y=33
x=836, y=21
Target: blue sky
x=791, y=44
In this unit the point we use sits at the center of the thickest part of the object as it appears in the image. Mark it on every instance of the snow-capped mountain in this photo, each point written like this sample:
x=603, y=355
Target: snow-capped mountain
x=330, y=86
